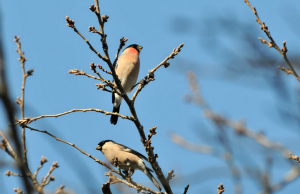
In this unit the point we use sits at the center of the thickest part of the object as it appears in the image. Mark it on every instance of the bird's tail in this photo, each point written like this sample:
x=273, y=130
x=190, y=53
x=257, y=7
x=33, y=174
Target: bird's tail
x=150, y=176
x=114, y=118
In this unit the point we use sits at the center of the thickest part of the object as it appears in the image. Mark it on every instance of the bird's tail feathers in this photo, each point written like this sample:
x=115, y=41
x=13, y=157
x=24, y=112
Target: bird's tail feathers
x=151, y=177
x=114, y=118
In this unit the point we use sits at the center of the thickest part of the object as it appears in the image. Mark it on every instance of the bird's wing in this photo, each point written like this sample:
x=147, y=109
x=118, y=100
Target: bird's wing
x=127, y=149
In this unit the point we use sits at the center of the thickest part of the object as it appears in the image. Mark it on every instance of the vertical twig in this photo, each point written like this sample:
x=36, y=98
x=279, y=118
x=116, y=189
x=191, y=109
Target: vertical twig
x=9, y=108
x=21, y=103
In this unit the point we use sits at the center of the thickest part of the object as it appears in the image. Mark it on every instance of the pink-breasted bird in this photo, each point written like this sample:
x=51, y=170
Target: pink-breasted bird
x=127, y=69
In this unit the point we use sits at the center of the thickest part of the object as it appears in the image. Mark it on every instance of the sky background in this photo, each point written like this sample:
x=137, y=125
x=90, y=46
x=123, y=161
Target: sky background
x=216, y=50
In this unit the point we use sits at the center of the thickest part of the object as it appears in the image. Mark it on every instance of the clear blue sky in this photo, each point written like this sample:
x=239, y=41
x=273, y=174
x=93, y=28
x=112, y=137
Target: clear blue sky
x=53, y=49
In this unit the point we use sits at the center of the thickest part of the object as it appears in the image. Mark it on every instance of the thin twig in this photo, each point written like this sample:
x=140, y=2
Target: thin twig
x=272, y=43
x=170, y=175
x=73, y=145
x=30, y=120
x=43, y=161
x=48, y=178
x=9, y=173
x=186, y=189
x=18, y=191
x=150, y=76
x=114, y=179
x=5, y=144
x=221, y=188
x=60, y=190
x=294, y=157
x=21, y=103
x=122, y=43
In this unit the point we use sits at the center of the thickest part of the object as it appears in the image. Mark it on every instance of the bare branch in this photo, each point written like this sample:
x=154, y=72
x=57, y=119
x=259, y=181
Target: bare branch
x=294, y=157
x=43, y=161
x=5, y=145
x=170, y=175
x=221, y=188
x=21, y=103
x=46, y=181
x=18, y=191
x=272, y=43
x=60, y=190
x=150, y=76
x=71, y=24
x=122, y=43
x=9, y=173
x=30, y=120
x=73, y=145
x=287, y=71
x=114, y=179
x=186, y=189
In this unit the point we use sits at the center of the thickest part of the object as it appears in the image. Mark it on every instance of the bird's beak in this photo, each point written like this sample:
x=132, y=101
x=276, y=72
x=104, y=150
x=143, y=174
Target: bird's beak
x=140, y=48
x=98, y=147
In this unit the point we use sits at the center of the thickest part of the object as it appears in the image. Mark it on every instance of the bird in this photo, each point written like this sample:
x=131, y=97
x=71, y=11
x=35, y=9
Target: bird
x=127, y=70
x=127, y=158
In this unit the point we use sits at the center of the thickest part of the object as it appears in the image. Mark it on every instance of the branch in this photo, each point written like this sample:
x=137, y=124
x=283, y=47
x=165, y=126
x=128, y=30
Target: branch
x=21, y=103
x=294, y=157
x=103, y=87
x=73, y=145
x=18, y=191
x=170, y=175
x=287, y=71
x=71, y=24
x=122, y=43
x=221, y=188
x=9, y=173
x=186, y=189
x=272, y=43
x=46, y=181
x=5, y=145
x=43, y=161
x=60, y=190
x=30, y=120
x=150, y=76
x=114, y=179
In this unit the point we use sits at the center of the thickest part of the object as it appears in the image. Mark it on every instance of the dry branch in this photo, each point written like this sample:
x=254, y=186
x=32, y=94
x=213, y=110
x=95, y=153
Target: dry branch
x=294, y=157
x=30, y=120
x=114, y=179
x=186, y=189
x=73, y=145
x=221, y=188
x=9, y=173
x=150, y=76
x=5, y=145
x=272, y=43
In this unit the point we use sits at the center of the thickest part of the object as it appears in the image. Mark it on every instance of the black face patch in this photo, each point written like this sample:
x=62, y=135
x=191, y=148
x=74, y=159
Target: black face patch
x=135, y=46
x=103, y=142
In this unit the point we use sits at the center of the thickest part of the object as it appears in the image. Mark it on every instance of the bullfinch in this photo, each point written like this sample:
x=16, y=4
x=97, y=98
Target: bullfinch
x=127, y=158
x=127, y=69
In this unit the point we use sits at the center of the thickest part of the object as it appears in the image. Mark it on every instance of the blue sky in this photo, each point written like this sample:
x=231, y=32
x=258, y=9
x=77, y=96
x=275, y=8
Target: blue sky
x=159, y=26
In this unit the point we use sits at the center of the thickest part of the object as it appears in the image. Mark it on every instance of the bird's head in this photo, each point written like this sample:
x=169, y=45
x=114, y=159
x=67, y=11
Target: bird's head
x=101, y=144
x=135, y=46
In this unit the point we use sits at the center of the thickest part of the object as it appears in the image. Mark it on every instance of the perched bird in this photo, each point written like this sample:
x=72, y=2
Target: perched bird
x=127, y=158
x=127, y=69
